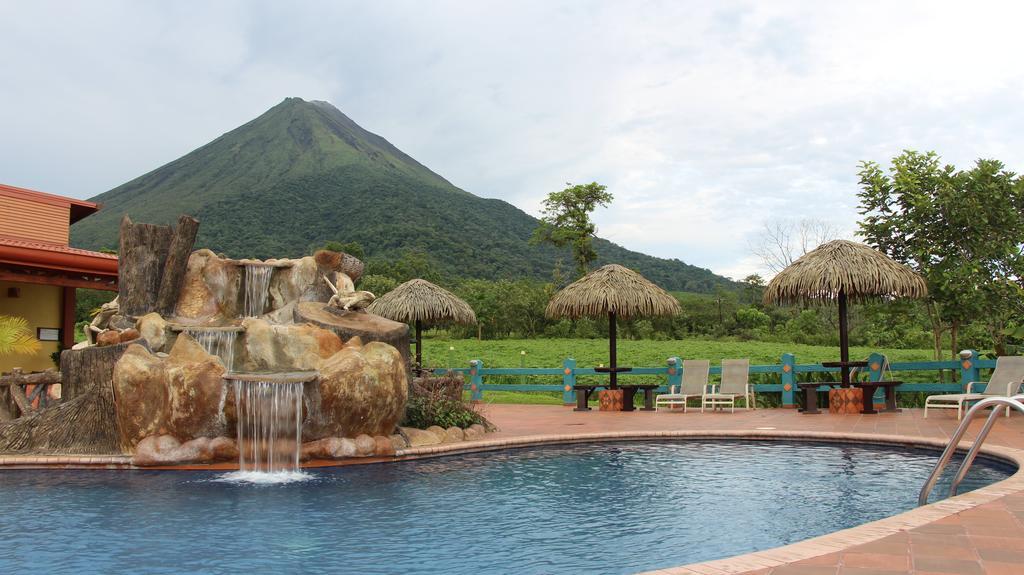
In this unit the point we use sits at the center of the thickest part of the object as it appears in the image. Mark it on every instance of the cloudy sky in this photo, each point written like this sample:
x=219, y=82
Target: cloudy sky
x=704, y=119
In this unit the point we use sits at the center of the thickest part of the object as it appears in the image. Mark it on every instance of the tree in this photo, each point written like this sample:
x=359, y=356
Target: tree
x=961, y=230
x=782, y=242
x=566, y=221
x=354, y=249
x=15, y=337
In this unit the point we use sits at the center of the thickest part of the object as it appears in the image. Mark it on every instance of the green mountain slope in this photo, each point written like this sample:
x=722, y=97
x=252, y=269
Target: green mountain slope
x=303, y=173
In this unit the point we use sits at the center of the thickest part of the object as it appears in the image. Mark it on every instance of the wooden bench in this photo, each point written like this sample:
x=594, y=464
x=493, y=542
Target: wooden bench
x=583, y=393
x=630, y=391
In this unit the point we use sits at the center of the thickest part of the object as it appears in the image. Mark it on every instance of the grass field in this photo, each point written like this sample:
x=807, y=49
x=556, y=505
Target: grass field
x=594, y=352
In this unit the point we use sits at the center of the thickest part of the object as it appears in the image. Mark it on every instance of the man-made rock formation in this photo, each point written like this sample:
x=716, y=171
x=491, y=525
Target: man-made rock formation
x=167, y=450
x=348, y=324
x=362, y=390
x=268, y=347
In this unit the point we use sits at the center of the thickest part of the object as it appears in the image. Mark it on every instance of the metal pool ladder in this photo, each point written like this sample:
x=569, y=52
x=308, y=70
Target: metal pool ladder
x=996, y=403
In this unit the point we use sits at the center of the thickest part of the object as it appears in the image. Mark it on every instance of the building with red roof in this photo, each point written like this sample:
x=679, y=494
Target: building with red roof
x=39, y=271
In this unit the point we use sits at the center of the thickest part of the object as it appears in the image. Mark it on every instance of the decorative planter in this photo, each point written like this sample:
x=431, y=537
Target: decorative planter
x=845, y=400
x=610, y=399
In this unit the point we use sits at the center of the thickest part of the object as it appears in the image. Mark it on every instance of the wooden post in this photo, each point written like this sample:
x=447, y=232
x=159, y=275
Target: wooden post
x=67, y=328
x=568, y=381
x=969, y=371
x=788, y=379
x=675, y=372
x=176, y=265
x=419, y=349
x=613, y=361
x=476, y=381
x=844, y=340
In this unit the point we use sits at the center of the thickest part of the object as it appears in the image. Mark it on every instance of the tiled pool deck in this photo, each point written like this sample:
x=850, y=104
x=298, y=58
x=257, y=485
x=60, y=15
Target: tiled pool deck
x=978, y=532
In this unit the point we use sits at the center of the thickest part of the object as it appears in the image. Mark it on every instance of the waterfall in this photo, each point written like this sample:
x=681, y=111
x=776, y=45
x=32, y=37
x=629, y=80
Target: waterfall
x=219, y=342
x=257, y=286
x=269, y=425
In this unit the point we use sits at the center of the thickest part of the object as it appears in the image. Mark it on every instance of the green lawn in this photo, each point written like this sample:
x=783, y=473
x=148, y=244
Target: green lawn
x=592, y=352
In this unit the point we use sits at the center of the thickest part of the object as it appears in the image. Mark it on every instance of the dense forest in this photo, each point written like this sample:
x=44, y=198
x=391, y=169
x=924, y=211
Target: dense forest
x=303, y=174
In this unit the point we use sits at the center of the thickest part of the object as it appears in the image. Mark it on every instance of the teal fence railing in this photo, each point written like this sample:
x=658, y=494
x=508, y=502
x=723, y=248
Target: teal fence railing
x=781, y=377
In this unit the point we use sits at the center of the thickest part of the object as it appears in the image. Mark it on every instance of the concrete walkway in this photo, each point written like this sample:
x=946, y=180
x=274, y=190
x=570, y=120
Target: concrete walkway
x=978, y=532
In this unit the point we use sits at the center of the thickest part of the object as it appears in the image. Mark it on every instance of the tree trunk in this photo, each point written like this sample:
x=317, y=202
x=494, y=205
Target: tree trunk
x=954, y=338
x=85, y=421
x=176, y=265
x=141, y=259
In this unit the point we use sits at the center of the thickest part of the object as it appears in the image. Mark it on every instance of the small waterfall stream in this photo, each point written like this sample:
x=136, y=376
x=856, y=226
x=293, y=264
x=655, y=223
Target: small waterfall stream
x=269, y=425
x=257, y=287
x=219, y=342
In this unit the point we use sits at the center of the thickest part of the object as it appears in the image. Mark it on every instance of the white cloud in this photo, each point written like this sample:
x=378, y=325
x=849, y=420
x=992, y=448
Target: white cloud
x=704, y=119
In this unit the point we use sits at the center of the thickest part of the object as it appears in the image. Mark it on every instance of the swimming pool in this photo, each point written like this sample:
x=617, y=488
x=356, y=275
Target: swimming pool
x=596, y=508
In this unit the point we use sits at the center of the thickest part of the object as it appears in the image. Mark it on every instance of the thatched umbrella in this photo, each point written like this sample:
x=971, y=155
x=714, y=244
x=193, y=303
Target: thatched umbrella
x=616, y=291
x=421, y=302
x=843, y=270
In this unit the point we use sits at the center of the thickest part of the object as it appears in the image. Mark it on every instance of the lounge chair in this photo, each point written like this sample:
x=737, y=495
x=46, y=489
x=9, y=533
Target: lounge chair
x=1005, y=381
x=735, y=384
x=695, y=384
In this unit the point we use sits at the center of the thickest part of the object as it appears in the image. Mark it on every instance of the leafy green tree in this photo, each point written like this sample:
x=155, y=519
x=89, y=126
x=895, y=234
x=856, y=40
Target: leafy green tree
x=961, y=230
x=566, y=221
x=354, y=249
x=378, y=285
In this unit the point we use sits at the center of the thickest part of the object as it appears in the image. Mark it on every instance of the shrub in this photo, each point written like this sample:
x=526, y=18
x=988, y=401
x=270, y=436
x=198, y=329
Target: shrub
x=438, y=401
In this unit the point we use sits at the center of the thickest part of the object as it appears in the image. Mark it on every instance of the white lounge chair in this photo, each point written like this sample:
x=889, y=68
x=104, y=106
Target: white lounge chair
x=735, y=384
x=695, y=384
x=1005, y=381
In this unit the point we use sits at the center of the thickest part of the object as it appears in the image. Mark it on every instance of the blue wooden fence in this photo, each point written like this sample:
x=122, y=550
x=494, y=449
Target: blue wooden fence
x=787, y=369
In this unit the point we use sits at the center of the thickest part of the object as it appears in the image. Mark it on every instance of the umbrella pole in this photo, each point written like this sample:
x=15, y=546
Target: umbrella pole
x=611, y=350
x=844, y=340
x=419, y=349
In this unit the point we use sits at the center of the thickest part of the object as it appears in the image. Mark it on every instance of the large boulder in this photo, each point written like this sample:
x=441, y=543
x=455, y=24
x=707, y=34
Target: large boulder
x=362, y=391
x=167, y=450
x=195, y=390
x=210, y=289
x=179, y=395
x=140, y=396
x=153, y=328
x=297, y=347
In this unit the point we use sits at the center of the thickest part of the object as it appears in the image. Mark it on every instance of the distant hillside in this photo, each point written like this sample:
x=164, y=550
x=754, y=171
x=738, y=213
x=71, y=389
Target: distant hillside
x=303, y=173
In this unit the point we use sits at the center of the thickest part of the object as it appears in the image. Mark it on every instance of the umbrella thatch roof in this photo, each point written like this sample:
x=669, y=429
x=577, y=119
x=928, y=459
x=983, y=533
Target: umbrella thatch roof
x=423, y=301
x=859, y=271
x=612, y=289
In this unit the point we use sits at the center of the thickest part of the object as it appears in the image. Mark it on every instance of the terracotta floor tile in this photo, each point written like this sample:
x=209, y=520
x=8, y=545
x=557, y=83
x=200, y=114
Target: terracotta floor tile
x=947, y=565
x=1003, y=556
x=938, y=550
x=994, y=568
x=876, y=561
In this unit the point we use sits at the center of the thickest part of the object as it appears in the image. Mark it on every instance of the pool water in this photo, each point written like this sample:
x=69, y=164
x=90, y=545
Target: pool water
x=595, y=508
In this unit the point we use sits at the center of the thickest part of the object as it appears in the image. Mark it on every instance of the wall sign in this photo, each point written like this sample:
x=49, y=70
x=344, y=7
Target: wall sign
x=48, y=334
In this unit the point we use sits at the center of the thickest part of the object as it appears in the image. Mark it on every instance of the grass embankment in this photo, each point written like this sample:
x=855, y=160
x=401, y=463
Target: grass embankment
x=593, y=352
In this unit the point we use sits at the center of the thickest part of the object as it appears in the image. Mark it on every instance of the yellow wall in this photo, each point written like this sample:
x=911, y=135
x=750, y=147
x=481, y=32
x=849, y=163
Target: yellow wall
x=40, y=305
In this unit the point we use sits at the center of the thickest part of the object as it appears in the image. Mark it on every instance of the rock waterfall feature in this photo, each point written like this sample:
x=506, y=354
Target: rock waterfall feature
x=257, y=287
x=268, y=422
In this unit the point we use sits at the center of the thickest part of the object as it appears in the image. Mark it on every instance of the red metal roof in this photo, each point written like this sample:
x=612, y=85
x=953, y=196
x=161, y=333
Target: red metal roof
x=55, y=257
x=78, y=208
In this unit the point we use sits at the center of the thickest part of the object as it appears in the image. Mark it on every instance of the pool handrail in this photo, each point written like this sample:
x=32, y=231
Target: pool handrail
x=996, y=403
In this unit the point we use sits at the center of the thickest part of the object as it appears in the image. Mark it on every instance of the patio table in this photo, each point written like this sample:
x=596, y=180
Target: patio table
x=810, y=390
